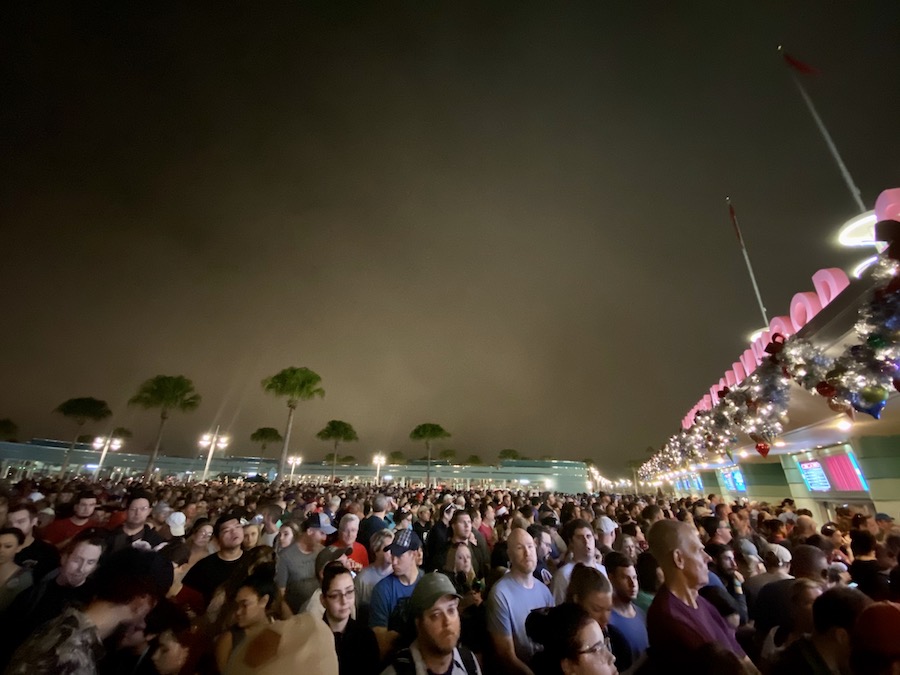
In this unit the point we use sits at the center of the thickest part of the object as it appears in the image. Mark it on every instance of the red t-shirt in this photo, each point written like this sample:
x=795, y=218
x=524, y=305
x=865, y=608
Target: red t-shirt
x=60, y=530
x=360, y=554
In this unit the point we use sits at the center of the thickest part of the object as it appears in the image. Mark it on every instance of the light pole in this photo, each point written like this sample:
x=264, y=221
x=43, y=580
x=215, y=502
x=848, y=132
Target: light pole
x=294, y=461
x=378, y=461
x=106, y=443
x=214, y=442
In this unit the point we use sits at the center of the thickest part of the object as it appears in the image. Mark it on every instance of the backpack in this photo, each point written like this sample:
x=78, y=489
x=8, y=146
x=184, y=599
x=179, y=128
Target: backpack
x=404, y=665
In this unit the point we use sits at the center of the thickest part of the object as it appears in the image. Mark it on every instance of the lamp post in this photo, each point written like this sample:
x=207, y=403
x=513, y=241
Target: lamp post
x=294, y=461
x=378, y=461
x=106, y=443
x=214, y=442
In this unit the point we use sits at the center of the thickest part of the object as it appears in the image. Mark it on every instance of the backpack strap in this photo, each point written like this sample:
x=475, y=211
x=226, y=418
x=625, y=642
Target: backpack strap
x=403, y=663
x=468, y=659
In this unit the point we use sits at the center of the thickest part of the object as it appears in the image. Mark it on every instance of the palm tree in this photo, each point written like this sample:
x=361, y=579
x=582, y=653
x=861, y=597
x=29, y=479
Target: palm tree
x=396, y=457
x=264, y=436
x=474, y=460
x=81, y=410
x=428, y=432
x=168, y=393
x=8, y=429
x=337, y=431
x=509, y=453
x=295, y=384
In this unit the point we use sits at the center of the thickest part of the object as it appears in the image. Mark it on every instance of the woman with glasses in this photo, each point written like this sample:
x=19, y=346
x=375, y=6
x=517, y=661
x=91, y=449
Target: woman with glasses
x=355, y=643
x=573, y=642
x=200, y=538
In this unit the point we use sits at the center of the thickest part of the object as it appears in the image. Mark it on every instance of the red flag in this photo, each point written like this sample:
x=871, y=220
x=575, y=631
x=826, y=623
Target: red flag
x=796, y=64
x=737, y=228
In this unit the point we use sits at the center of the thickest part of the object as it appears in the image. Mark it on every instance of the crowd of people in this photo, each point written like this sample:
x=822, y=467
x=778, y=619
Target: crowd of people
x=234, y=578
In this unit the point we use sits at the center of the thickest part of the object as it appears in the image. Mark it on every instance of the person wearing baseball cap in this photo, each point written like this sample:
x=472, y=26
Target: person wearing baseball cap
x=295, y=569
x=885, y=525
x=386, y=613
x=434, y=605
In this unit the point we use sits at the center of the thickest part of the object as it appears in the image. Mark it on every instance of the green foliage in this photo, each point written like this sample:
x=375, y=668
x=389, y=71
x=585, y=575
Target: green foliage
x=447, y=454
x=347, y=459
x=428, y=432
x=396, y=457
x=337, y=431
x=121, y=433
x=341, y=459
x=85, y=438
x=509, y=453
x=8, y=429
x=266, y=435
x=588, y=461
x=167, y=392
x=474, y=460
x=83, y=409
x=294, y=384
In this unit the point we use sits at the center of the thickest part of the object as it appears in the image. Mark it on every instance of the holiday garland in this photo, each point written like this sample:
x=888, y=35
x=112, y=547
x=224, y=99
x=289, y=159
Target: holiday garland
x=860, y=379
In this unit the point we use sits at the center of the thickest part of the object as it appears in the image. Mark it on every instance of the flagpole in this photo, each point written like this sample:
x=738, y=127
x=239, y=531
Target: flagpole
x=832, y=148
x=737, y=231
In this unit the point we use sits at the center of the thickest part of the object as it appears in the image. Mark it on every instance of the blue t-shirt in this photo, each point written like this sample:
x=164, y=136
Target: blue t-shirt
x=634, y=630
x=507, y=608
x=389, y=599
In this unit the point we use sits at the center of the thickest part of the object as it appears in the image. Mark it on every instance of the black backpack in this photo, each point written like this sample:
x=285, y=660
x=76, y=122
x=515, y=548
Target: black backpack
x=404, y=665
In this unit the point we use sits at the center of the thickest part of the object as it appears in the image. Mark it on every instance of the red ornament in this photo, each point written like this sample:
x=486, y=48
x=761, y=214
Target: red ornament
x=826, y=390
x=763, y=449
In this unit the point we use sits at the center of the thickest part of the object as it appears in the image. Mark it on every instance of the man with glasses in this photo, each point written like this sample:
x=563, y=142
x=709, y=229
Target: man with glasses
x=135, y=528
x=354, y=642
x=436, y=649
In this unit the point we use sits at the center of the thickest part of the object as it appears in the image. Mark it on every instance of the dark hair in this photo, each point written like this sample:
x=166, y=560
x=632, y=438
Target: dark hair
x=862, y=542
x=200, y=522
x=130, y=574
x=84, y=494
x=457, y=514
x=23, y=506
x=262, y=583
x=139, y=494
x=710, y=524
x=586, y=580
x=536, y=530
x=650, y=512
x=838, y=607
x=556, y=628
x=92, y=535
x=330, y=572
x=14, y=531
x=645, y=568
x=614, y=561
x=224, y=518
x=569, y=528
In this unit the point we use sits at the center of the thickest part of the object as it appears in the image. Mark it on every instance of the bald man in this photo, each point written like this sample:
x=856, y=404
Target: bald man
x=510, y=601
x=679, y=621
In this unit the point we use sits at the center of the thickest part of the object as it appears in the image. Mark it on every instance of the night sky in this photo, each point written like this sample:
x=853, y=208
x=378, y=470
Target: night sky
x=507, y=218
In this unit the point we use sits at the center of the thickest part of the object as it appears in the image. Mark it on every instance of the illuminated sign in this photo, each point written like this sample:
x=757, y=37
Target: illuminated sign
x=814, y=476
x=734, y=480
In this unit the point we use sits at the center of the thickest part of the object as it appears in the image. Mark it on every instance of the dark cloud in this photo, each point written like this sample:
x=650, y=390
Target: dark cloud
x=507, y=220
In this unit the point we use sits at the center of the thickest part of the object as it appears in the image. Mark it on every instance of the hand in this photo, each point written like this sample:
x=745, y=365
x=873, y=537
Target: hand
x=738, y=577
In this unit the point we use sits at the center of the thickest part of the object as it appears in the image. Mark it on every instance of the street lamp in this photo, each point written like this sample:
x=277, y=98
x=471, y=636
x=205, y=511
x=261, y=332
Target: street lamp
x=379, y=461
x=293, y=461
x=214, y=442
x=106, y=443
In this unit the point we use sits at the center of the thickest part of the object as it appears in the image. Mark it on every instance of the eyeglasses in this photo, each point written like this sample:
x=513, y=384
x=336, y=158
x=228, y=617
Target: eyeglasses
x=595, y=648
x=337, y=595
